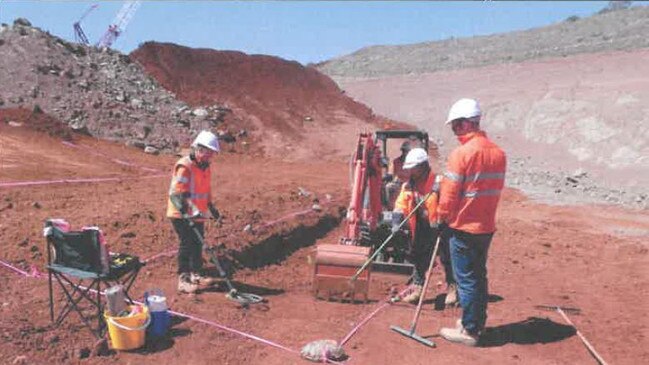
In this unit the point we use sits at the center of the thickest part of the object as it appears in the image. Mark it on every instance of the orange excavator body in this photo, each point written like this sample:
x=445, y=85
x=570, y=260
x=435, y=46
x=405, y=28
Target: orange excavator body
x=336, y=264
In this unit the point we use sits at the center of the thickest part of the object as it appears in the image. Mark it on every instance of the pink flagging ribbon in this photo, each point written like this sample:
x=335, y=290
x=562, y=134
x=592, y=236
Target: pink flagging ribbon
x=8, y=184
x=161, y=254
x=118, y=161
x=197, y=319
x=11, y=267
x=290, y=215
x=370, y=316
x=240, y=333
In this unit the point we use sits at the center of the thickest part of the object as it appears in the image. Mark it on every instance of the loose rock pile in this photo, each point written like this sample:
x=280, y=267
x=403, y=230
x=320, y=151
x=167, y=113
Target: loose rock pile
x=565, y=187
x=98, y=92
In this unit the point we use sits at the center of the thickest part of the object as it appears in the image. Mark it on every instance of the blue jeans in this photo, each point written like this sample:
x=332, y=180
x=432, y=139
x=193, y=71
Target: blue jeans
x=469, y=257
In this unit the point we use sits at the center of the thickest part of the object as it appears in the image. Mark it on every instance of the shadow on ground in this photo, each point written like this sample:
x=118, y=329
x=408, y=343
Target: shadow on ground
x=533, y=330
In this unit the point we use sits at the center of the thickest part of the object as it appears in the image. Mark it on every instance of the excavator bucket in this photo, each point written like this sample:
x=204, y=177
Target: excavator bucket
x=334, y=267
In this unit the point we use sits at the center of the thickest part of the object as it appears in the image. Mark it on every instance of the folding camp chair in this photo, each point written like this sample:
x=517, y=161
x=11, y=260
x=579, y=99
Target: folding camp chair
x=74, y=260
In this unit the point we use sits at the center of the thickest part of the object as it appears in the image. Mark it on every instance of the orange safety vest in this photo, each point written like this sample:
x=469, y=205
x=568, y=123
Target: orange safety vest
x=472, y=184
x=409, y=198
x=189, y=178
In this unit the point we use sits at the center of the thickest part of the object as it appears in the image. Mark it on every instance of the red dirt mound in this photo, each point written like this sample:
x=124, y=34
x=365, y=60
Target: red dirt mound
x=37, y=120
x=272, y=94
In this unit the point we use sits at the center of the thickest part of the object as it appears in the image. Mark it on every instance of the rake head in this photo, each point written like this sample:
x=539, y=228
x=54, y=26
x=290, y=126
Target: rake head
x=413, y=335
x=555, y=307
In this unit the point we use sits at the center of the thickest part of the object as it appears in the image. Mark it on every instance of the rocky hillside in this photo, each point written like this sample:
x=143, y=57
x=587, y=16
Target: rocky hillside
x=573, y=125
x=158, y=98
x=101, y=93
x=614, y=30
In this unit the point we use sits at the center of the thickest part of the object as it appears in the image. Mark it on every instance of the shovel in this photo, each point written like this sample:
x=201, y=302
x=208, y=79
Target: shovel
x=411, y=333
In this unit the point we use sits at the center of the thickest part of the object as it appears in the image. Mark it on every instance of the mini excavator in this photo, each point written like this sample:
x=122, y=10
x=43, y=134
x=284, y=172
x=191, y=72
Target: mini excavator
x=368, y=222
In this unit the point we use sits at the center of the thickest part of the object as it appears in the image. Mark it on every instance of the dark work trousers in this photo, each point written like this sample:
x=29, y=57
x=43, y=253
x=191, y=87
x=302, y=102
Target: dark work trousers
x=424, y=243
x=445, y=255
x=190, y=258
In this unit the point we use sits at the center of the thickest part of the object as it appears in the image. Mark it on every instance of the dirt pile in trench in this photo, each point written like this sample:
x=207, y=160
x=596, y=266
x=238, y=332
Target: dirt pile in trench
x=294, y=110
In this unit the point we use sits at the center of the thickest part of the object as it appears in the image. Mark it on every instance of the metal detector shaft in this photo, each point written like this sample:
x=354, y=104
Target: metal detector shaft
x=244, y=298
x=215, y=260
x=378, y=250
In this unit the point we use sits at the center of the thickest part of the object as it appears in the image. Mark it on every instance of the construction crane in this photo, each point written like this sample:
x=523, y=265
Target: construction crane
x=119, y=24
x=79, y=34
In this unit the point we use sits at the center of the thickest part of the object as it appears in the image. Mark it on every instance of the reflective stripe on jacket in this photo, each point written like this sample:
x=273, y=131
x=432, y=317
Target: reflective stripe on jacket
x=188, y=178
x=472, y=184
x=409, y=198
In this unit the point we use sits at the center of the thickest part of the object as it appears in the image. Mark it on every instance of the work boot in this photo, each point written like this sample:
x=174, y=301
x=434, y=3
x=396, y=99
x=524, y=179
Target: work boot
x=204, y=280
x=185, y=284
x=459, y=335
x=414, y=295
x=451, y=295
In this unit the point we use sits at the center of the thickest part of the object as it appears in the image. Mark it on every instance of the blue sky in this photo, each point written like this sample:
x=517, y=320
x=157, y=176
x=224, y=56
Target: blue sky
x=305, y=31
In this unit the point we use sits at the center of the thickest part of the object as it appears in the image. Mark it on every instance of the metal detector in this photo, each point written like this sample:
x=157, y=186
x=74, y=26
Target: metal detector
x=233, y=294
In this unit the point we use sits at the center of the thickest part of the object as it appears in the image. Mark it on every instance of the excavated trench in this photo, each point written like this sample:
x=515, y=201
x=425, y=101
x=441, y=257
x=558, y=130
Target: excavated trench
x=279, y=246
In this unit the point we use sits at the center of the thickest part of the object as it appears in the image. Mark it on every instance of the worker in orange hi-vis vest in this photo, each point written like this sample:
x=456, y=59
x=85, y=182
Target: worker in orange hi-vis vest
x=190, y=198
x=423, y=224
x=470, y=192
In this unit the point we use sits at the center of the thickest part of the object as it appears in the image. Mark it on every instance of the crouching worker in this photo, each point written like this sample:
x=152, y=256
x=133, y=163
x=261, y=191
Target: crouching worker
x=423, y=226
x=190, y=197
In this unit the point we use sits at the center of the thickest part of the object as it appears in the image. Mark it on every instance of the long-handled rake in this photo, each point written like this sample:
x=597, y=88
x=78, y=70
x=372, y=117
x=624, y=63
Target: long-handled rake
x=244, y=299
x=562, y=311
x=411, y=333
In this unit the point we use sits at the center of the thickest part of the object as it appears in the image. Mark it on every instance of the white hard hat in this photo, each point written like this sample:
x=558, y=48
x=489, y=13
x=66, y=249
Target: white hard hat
x=207, y=139
x=464, y=108
x=415, y=157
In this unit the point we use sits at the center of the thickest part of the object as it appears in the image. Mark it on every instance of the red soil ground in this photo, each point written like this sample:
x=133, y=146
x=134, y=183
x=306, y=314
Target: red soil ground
x=590, y=257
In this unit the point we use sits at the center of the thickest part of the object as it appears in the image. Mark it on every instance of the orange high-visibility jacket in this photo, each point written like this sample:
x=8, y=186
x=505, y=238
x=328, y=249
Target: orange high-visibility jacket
x=189, y=178
x=472, y=184
x=409, y=197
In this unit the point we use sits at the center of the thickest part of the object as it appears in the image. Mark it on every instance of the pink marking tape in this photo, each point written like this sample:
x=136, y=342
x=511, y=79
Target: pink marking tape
x=9, y=184
x=121, y=162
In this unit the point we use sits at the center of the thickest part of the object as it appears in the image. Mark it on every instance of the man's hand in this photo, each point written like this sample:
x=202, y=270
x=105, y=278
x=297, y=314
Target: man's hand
x=439, y=226
x=190, y=218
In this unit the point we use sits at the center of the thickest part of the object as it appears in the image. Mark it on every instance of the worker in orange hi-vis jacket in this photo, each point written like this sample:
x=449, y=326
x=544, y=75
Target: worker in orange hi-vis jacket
x=470, y=192
x=422, y=225
x=190, y=198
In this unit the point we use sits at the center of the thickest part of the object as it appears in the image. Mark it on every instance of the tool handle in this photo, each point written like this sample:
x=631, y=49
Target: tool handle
x=215, y=260
x=423, y=290
x=590, y=347
x=378, y=250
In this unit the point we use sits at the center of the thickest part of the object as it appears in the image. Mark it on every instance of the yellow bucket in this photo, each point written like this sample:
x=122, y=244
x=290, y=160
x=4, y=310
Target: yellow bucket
x=128, y=333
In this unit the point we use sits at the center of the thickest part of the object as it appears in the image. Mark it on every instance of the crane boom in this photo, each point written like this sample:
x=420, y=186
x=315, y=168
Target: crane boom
x=79, y=34
x=119, y=24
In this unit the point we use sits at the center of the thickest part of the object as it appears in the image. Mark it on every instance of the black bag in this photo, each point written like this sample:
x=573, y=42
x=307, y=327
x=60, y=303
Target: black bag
x=77, y=249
